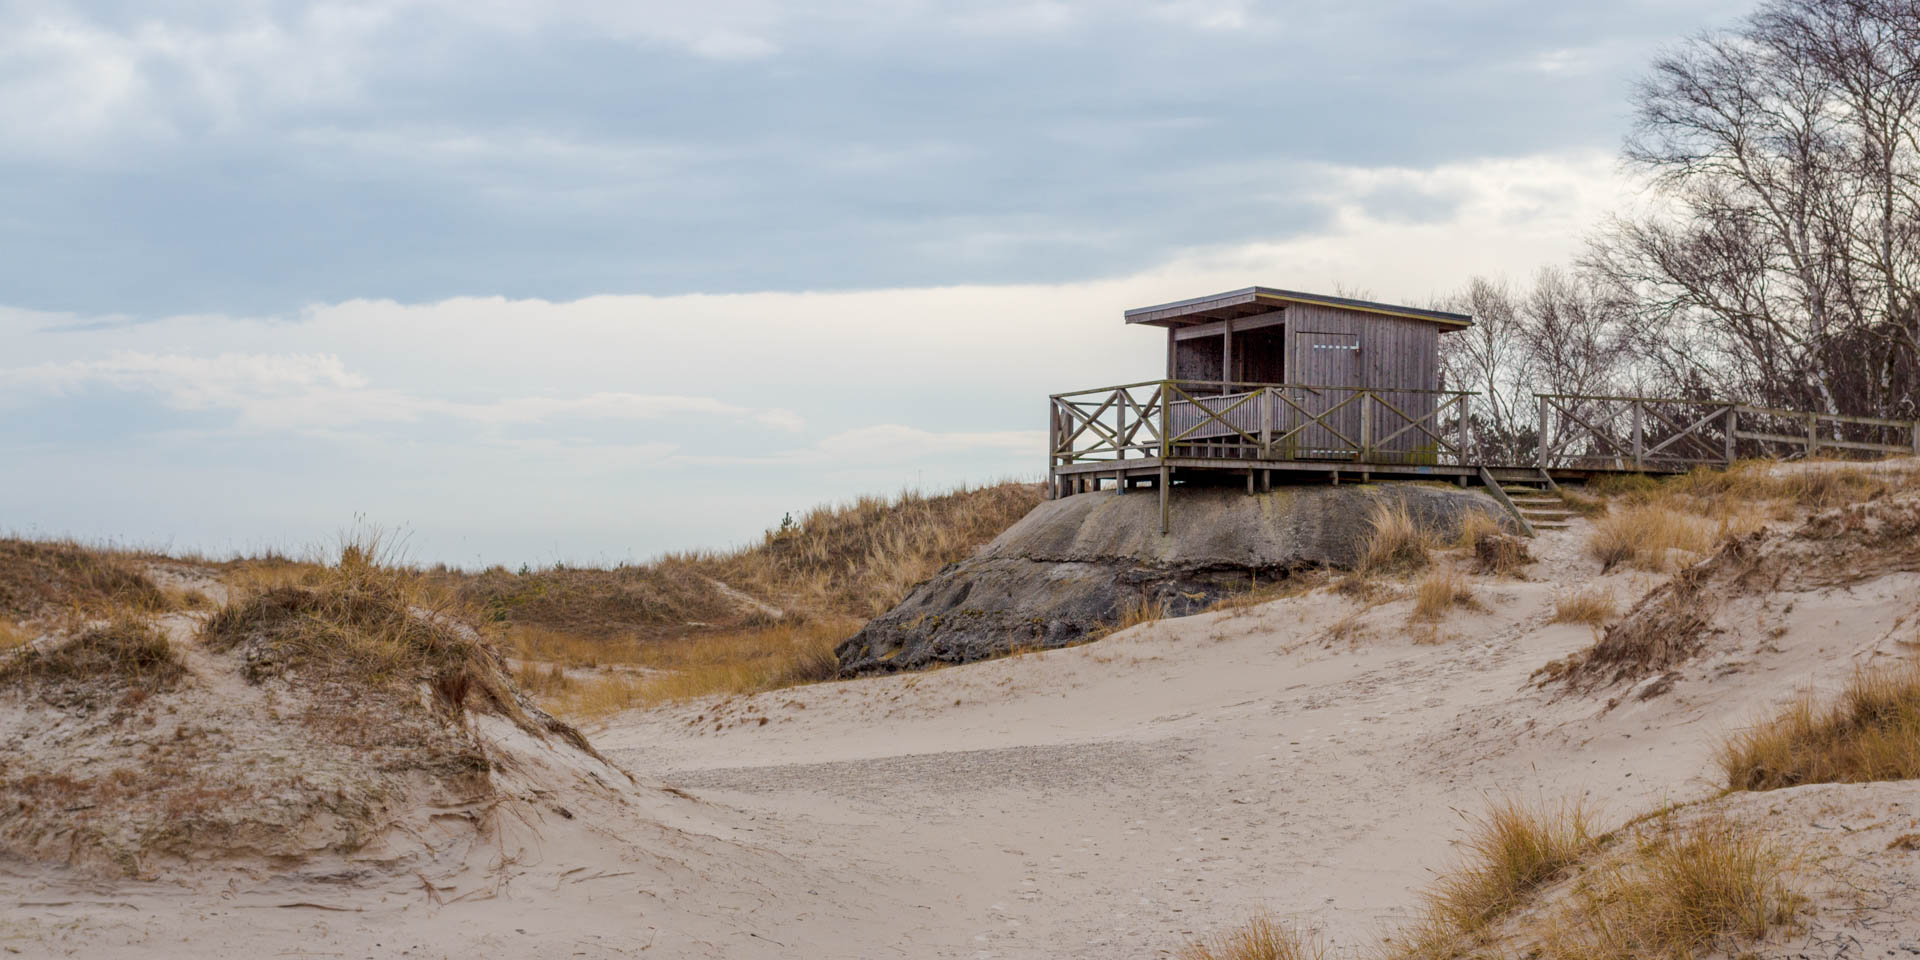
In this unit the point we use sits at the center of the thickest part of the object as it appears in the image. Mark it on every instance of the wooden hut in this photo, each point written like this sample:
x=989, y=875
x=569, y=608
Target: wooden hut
x=1324, y=350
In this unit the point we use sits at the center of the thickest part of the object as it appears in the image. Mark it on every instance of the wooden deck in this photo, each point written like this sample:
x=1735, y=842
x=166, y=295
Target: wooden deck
x=1158, y=432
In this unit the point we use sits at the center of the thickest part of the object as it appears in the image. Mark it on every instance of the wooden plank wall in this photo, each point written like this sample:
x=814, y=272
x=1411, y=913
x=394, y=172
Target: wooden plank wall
x=1395, y=355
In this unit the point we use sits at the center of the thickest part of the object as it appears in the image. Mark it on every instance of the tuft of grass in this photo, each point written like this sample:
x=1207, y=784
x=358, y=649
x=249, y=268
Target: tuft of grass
x=1510, y=851
x=124, y=653
x=1646, y=536
x=1443, y=588
x=1475, y=526
x=1678, y=893
x=1501, y=555
x=1260, y=938
x=43, y=576
x=1243, y=602
x=1139, y=611
x=12, y=635
x=1593, y=606
x=1870, y=732
x=545, y=683
x=1583, y=504
x=1624, y=485
x=1396, y=543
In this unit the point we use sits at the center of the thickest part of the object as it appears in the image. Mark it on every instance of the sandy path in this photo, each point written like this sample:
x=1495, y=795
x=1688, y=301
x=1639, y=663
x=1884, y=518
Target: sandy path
x=1112, y=799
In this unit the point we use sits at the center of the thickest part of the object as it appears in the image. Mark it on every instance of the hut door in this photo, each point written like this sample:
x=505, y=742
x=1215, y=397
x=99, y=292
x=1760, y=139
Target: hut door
x=1329, y=361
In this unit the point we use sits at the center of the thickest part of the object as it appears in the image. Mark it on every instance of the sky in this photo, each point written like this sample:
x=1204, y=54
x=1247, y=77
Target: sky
x=538, y=282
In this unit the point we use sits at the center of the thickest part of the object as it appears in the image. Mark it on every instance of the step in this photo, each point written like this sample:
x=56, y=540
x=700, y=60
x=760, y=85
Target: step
x=1547, y=514
x=1535, y=499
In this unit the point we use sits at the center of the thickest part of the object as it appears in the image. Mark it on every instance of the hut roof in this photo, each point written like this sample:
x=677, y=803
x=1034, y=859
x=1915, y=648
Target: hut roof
x=1251, y=300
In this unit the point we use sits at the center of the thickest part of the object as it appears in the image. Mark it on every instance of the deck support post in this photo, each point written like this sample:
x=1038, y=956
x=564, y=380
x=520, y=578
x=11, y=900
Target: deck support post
x=1336, y=478
x=1813, y=434
x=1733, y=430
x=1166, y=481
x=1119, y=482
x=1266, y=476
x=1916, y=438
x=1249, y=479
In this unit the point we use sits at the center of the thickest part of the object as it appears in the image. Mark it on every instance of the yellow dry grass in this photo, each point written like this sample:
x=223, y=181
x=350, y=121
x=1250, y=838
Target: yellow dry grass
x=1666, y=889
x=1678, y=892
x=1510, y=851
x=13, y=635
x=1475, y=527
x=41, y=577
x=1659, y=523
x=1442, y=589
x=123, y=652
x=1396, y=542
x=1593, y=606
x=1870, y=732
x=1260, y=938
x=1649, y=536
x=748, y=661
x=1243, y=602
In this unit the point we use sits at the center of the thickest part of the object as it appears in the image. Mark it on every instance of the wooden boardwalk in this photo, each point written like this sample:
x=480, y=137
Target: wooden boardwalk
x=1158, y=432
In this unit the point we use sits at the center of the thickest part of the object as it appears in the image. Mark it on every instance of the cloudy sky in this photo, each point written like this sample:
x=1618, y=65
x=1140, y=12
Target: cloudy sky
x=588, y=281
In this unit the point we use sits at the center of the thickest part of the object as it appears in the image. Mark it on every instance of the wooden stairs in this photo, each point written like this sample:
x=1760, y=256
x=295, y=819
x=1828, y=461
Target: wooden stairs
x=1540, y=504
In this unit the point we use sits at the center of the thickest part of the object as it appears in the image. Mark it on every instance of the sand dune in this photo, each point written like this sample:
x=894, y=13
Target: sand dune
x=1313, y=756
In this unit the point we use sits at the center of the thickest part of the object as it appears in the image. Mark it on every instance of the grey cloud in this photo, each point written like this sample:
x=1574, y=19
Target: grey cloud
x=267, y=160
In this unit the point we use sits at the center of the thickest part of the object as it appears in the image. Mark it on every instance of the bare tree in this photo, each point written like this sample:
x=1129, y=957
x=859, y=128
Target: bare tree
x=1782, y=260
x=1491, y=358
x=1576, y=334
x=1565, y=334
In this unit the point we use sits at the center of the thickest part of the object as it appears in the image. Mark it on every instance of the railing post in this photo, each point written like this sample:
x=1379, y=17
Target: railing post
x=1053, y=449
x=1813, y=434
x=1166, y=423
x=1540, y=445
x=1733, y=429
x=1639, y=440
x=1120, y=423
x=1464, y=427
x=1266, y=424
x=1916, y=438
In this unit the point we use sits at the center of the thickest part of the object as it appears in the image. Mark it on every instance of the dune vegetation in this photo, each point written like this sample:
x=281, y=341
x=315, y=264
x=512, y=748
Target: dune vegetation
x=1871, y=731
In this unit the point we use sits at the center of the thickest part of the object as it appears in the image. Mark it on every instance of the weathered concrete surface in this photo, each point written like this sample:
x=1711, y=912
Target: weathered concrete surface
x=1073, y=563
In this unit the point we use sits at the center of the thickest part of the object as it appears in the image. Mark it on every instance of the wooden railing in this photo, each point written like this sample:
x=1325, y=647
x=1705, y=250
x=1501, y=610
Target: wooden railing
x=1664, y=433
x=1259, y=421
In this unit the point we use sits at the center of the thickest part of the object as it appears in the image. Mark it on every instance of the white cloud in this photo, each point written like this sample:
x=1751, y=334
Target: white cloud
x=889, y=443
x=317, y=392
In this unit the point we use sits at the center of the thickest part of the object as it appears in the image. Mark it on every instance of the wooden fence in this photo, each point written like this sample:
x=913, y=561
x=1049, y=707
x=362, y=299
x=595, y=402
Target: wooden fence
x=1665, y=434
x=1277, y=422
x=1260, y=421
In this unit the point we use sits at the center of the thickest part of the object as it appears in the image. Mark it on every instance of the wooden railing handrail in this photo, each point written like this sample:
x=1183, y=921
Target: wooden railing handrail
x=1257, y=385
